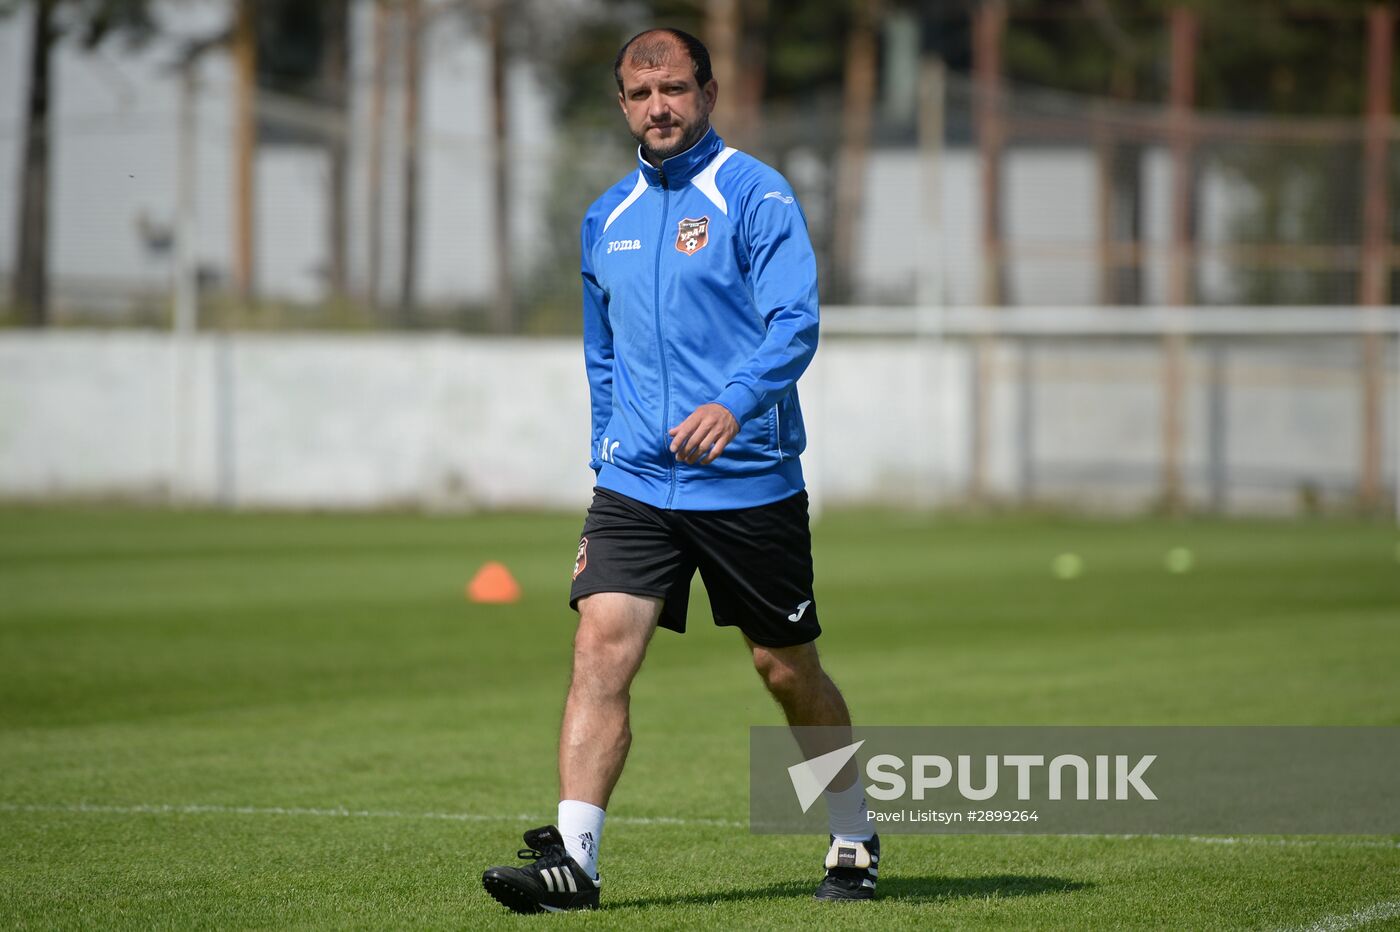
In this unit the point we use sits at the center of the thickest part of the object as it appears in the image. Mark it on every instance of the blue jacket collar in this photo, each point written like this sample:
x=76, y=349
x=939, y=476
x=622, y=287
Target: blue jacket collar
x=679, y=169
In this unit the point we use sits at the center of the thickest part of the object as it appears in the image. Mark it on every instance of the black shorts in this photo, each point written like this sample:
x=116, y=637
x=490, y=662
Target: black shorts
x=756, y=563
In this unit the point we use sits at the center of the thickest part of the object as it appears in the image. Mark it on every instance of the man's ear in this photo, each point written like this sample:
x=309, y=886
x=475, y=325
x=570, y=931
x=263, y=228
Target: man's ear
x=711, y=92
x=621, y=102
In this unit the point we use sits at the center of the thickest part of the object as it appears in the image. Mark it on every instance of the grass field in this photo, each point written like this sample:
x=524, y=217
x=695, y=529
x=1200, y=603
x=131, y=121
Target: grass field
x=229, y=721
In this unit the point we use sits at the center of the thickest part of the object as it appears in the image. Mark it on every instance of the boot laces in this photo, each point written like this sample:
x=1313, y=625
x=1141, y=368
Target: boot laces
x=551, y=856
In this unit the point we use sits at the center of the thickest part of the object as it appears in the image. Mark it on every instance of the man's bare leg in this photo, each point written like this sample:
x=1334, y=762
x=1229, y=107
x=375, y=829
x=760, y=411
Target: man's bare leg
x=795, y=678
x=613, y=632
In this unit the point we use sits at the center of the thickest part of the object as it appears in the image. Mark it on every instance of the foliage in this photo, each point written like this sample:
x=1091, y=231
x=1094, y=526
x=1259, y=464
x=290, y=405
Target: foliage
x=94, y=21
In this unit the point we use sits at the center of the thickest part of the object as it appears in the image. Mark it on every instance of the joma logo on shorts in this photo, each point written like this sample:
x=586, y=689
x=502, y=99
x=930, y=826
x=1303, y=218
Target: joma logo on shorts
x=623, y=245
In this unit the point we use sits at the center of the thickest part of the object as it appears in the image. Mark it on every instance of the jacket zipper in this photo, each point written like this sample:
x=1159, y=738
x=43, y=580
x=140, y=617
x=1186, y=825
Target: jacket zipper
x=778, y=428
x=660, y=339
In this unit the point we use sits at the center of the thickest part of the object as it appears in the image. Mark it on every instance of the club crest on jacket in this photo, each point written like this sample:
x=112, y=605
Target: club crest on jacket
x=692, y=235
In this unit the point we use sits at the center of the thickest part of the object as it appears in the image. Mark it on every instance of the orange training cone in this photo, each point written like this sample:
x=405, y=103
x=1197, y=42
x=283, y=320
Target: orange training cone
x=493, y=585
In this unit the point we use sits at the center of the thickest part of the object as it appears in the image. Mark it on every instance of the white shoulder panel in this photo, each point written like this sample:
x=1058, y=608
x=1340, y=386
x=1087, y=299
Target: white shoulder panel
x=705, y=180
x=631, y=199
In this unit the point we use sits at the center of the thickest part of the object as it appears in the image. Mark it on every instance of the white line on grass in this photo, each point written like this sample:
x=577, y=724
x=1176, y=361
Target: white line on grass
x=1376, y=912
x=197, y=809
x=343, y=813
x=1292, y=842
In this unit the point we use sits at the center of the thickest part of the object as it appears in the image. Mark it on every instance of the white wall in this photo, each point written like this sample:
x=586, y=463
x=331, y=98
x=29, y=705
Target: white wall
x=295, y=421
x=453, y=422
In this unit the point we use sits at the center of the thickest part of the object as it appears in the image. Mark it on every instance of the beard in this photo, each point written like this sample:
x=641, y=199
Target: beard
x=675, y=146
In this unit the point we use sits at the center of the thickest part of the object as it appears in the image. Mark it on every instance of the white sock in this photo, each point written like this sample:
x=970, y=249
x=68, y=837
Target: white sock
x=581, y=824
x=847, y=813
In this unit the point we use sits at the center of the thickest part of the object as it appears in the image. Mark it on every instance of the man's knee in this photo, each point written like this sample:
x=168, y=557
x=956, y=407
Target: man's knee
x=789, y=671
x=600, y=649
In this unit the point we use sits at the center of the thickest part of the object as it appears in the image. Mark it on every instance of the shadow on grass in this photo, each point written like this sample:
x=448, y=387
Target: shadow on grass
x=892, y=889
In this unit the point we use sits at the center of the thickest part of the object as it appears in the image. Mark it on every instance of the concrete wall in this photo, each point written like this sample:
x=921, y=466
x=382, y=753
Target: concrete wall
x=450, y=422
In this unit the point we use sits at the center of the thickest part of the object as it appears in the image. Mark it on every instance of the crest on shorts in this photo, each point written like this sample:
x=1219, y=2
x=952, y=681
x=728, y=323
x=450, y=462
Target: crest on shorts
x=692, y=235
x=581, y=560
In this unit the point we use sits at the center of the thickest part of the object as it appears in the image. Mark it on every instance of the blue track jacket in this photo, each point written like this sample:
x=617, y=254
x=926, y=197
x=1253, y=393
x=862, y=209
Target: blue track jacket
x=699, y=285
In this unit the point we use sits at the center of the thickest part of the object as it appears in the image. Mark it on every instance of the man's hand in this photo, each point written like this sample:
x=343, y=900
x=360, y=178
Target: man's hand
x=705, y=433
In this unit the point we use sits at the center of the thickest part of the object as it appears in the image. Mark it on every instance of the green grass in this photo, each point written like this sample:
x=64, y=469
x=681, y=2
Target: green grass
x=160, y=672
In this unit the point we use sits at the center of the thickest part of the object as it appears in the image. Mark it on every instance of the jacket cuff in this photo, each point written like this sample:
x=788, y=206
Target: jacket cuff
x=740, y=400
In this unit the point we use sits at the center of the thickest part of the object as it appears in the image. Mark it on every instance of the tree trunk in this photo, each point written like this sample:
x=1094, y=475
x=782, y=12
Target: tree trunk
x=1375, y=245
x=858, y=102
x=245, y=131
x=722, y=34
x=336, y=63
x=735, y=34
x=1181, y=274
x=1120, y=202
x=412, y=79
x=503, y=305
x=988, y=36
x=754, y=54
x=31, y=265
x=375, y=194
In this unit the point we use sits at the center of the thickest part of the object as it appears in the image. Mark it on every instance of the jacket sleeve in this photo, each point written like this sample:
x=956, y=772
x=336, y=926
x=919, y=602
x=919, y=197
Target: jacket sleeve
x=783, y=274
x=597, y=349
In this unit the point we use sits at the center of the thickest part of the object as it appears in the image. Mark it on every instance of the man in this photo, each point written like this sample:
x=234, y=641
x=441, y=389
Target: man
x=700, y=313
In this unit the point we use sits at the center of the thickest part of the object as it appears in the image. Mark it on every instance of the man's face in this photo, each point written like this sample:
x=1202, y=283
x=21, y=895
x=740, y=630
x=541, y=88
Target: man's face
x=666, y=110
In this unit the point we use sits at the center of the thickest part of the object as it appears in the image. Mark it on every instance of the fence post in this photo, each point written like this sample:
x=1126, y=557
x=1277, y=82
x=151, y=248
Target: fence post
x=1218, y=403
x=184, y=319
x=1025, y=420
x=932, y=297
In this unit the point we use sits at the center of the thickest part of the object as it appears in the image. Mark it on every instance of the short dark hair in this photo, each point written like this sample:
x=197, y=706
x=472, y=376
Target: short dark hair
x=655, y=51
